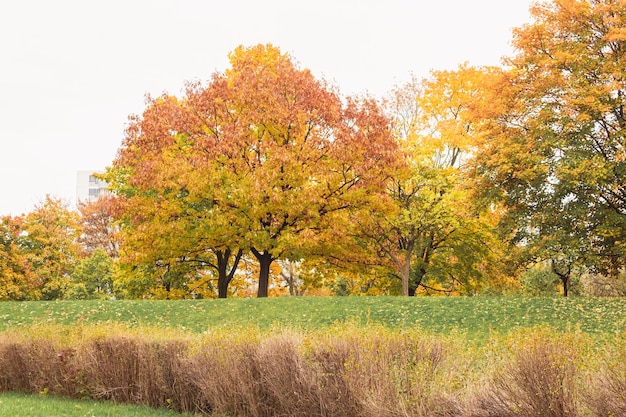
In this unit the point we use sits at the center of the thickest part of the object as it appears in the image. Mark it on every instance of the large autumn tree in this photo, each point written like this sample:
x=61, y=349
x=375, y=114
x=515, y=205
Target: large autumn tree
x=171, y=230
x=557, y=160
x=435, y=237
x=264, y=158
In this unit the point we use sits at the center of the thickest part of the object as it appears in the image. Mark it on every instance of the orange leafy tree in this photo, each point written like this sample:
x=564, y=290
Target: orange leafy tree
x=264, y=158
x=97, y=222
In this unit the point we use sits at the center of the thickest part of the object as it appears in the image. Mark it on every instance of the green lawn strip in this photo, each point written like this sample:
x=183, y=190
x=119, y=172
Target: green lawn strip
x=12, y=405
x=478, y=317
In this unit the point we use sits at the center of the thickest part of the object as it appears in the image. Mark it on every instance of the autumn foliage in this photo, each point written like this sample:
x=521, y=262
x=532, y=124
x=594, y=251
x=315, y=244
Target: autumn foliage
x=265, y=160
x=265, y=179
x=555, y=155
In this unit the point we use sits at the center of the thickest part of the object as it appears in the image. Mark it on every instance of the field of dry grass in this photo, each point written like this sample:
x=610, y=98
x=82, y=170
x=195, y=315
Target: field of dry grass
x=343, y=370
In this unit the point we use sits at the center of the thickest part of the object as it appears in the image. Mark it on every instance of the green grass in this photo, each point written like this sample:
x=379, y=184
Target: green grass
x=480, y=319
x=477, y=317
x=12, y=405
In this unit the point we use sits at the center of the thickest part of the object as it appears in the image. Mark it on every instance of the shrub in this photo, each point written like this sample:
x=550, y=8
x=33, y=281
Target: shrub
x=607, y=394
x=599, y=285
x=347, y=371
x=380, y=372
x=222, y=371
x=540, y=281
x=540, y=379
x=28, y=366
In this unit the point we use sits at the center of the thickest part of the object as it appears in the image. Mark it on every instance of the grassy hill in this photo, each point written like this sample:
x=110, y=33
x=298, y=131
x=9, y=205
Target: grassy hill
x=349, y=356
x=476, y=317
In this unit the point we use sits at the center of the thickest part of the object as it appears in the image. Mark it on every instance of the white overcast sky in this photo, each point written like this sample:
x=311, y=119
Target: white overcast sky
x=72, y=71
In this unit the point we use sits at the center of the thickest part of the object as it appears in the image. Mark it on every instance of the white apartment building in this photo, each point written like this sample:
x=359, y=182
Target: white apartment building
x=88, y=187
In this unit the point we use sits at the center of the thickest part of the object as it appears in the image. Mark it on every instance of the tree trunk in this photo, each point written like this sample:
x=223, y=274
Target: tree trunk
x=565, y=281
x=222, y=284
x=265, y=261
x=421, y=272
x=290, y=277
x=563, y=276
x=224, y=276
x=406, y=274
x=403, y=265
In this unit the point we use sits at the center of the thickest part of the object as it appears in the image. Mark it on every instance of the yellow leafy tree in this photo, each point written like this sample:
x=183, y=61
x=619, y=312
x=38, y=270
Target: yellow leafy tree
x=436, y=238
x=17, y=280
x=50, y=245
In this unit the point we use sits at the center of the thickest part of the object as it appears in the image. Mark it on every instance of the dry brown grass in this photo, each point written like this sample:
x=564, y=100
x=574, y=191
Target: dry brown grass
x=29, y=366
x=606, y=393
x=372, y=374
x=539, y=380
x=346, y=372
x=132, y=370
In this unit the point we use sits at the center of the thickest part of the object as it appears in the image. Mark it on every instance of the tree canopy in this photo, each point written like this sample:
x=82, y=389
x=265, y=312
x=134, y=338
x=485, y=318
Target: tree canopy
x=557, y=159
x=262, y=159
x=473, y=179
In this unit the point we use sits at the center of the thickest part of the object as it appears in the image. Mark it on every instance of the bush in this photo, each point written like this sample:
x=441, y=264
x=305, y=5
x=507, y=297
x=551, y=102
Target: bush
x=30, y=366
x=345, y=371
x=540, y=281
x=607, y=396
x=598, y=285
x=539, y=379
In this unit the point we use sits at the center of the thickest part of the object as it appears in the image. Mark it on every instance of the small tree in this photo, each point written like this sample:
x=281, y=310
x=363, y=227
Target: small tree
x=50, y=244
x=97, y=220
x=92, y=277
x=17, y=280
x=435, y=236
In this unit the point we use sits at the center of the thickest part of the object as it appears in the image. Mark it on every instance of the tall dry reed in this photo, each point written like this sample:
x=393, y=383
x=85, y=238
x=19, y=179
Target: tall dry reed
x=349, y=371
